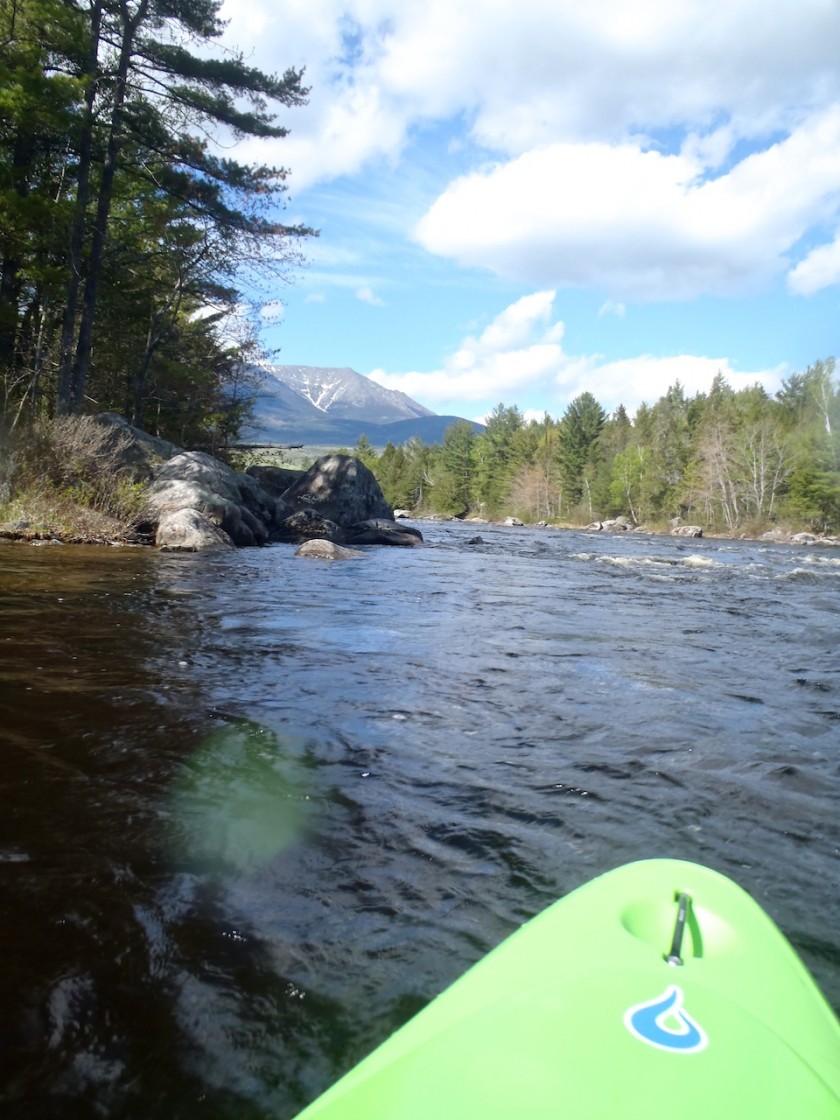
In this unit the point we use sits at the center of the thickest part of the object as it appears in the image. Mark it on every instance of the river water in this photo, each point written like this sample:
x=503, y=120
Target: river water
x=255, y=811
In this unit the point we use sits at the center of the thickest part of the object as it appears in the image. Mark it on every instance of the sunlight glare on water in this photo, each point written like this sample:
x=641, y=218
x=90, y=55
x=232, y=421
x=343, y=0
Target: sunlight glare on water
x=238, y=801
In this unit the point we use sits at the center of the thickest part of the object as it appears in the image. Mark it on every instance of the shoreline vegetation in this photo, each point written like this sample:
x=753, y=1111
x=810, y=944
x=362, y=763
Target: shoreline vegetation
x=129, y=242
x=72, y=480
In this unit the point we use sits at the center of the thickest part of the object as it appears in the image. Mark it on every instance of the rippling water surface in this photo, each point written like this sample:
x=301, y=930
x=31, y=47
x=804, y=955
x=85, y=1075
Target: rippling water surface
x=255, y=811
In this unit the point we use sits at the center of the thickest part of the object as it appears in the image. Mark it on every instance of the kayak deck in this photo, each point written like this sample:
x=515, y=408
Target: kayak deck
x=580, y=1013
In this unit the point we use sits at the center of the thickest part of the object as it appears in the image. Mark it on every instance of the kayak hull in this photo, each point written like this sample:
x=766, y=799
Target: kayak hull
x=579, y=1013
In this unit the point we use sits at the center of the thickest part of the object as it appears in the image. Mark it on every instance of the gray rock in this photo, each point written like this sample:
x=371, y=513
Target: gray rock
x=171, y=494
x=327, y=550
x=138, y=452
x=687, y=531
x=341, y=489
x=381, y=530
x=400, y=514
x=307, y=524
x=803, y=538
x=204, y=470
x=611, y=525
x=188, y=530
x=236, y=502
x=275, y=480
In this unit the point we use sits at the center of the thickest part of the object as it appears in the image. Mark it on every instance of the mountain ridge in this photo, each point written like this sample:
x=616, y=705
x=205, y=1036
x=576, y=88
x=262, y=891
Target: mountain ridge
x=336, y=405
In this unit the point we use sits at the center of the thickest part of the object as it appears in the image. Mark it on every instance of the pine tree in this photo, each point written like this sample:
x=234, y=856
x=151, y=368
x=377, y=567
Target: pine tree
x=580, y=428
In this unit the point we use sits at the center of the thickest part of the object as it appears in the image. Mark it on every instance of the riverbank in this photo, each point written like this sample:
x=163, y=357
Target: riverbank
x=97, y=480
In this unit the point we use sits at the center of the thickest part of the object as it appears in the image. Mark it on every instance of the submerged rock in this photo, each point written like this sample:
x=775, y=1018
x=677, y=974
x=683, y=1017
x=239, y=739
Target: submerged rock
x=380, y=530
x=327, y=550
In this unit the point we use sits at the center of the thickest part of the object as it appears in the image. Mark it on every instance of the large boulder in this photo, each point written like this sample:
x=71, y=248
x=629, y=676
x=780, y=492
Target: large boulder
x=341, y=489
x=235, y=502
x=188, y=530
x=687, y=531
x=137, y=453
x=337, y=494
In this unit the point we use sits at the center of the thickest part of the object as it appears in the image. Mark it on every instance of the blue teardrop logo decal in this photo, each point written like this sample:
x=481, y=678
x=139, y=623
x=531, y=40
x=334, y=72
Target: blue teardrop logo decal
x=662, y=1022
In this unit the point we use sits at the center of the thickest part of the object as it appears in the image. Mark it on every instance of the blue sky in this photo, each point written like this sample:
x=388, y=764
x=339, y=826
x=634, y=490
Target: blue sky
x=522, y=202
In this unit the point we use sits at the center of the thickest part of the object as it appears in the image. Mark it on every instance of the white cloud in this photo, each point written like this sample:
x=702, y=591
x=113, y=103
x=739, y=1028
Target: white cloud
x=820, y=269
x=607, y=120
x=366, y=294
x=519, y=356
x=639, y=223
x=646, y=378
x=527, y=74
x=611, y=307
x=518, y=349
x=273, y=310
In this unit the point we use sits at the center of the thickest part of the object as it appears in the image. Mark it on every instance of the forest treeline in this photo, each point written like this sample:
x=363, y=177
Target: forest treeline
x=124, y=234
x=730, y=460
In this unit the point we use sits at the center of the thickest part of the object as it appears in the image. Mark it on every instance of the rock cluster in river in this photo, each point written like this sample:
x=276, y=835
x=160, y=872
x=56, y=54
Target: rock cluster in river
x=196, y=502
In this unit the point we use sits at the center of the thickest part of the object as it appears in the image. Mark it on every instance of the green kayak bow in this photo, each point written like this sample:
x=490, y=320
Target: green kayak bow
x=660, y=989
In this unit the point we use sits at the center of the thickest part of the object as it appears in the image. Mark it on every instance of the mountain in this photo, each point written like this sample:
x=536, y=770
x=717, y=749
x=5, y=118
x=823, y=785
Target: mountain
x=334, y=407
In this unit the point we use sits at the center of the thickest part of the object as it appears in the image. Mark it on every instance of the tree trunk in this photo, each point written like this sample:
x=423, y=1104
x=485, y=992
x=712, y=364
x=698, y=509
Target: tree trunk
x=81, y=363
x=22, y=154
x=79, y=227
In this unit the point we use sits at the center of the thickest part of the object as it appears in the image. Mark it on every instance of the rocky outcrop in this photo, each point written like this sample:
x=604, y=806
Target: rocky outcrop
x=338, y=499
x=687, y=531
x=196, y=501
x=275, y=480
x=234, y=502
x=785, y=537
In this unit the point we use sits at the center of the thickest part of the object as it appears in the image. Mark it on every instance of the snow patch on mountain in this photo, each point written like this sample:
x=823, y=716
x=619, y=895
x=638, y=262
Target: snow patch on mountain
x=342, y=394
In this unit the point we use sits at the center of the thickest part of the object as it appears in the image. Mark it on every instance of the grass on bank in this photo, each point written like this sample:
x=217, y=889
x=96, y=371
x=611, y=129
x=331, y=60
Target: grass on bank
x=66, y=479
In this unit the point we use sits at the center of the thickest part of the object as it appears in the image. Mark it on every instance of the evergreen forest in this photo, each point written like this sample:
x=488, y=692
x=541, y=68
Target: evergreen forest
x=735, y=461
x=126, y=234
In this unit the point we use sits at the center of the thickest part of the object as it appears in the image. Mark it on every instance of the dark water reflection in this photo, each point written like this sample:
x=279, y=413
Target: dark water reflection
x=256, y=811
